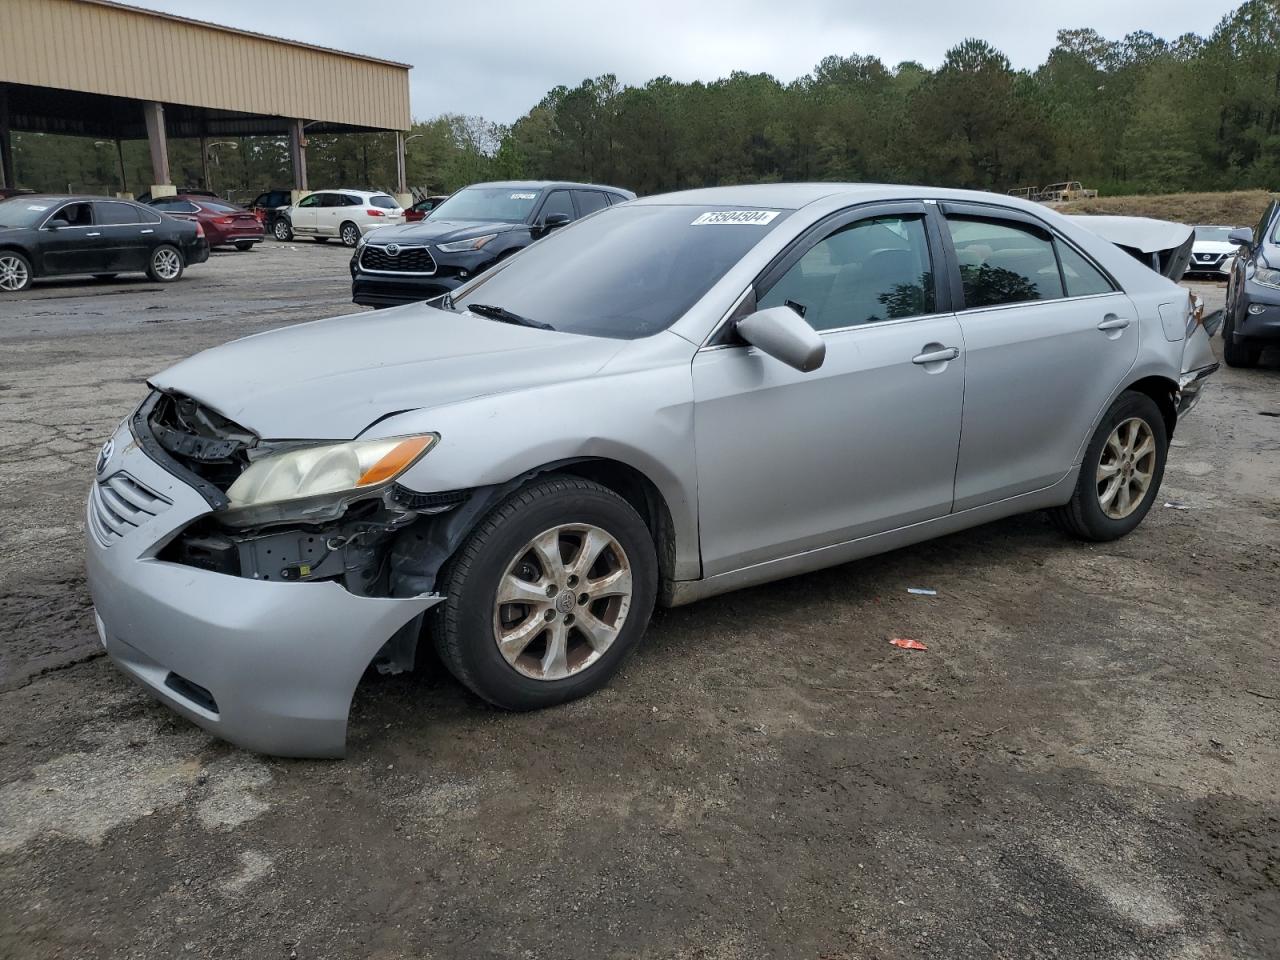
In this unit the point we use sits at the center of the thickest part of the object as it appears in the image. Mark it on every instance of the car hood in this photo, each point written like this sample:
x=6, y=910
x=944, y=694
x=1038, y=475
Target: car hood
x=439, y=231
x=331, y=379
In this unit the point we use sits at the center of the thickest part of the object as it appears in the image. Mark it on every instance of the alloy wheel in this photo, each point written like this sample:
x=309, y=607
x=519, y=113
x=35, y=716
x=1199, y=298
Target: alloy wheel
x=1126, y=468
x=13, y=273
x=350, y=235
x=166, y=264
x=562, y=601
x=281, y=230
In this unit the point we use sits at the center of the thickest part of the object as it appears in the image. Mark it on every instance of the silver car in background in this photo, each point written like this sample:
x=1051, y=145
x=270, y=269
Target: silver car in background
x=672, y=398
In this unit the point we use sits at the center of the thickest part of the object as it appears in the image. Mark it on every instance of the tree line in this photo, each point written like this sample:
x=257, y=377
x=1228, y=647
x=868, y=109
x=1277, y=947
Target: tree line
x=1137, y=115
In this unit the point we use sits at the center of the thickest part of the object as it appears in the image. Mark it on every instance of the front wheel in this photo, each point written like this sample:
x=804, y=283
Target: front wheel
x=166, y=264
x=282, y=231
x=1237, y=354
x=350, y=234
x=548, y=595
x=1121, y=474
x=15, y=271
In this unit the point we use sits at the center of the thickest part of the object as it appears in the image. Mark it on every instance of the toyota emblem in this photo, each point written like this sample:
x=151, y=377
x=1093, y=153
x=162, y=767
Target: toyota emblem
x=104, y=455
x=393, y=249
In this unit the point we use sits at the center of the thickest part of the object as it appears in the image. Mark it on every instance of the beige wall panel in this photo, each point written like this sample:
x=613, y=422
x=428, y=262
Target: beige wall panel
x=100, y=47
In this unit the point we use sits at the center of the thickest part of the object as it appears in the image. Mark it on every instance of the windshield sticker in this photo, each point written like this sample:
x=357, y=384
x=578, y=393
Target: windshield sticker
x=755, y=218
x=524, y=196
x=37, y=209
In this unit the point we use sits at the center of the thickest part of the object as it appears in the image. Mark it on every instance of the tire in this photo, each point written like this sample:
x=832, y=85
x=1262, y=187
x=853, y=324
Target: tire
x=15, y=272
x=466, y=625
x=105, y=276
x=1084, y=516
x=1237, y=354
x=282, y=230
x=349, y=234
x=166, y=264
x=244, y=247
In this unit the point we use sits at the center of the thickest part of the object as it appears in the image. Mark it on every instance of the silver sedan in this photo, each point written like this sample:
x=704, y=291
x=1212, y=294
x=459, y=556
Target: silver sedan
x=672, y=398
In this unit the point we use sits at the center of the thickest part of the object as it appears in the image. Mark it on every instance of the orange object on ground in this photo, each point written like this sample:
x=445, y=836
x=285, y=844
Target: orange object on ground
x=906, y=644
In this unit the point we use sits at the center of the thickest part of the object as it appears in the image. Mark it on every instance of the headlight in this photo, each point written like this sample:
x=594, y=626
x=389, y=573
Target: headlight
x=332, y=468
x=465, y=246
x=1270, y=278
x=364, y=238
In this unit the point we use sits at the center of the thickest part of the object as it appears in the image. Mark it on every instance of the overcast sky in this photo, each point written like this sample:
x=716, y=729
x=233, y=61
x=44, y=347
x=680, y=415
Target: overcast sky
x=497, y=58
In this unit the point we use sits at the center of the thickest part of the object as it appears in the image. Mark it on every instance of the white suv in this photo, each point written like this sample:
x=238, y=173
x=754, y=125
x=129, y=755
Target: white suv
x=345, y=214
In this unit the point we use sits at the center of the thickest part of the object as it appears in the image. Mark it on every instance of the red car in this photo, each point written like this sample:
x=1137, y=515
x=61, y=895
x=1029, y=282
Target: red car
x=224, y=223
x=420, y=209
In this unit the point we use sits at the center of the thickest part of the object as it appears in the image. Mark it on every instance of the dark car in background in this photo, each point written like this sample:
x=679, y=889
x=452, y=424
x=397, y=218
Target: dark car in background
x=424, y=206
x=469, y=232
x=224, y=223
x=268, y=206
x=1251, y=319
x=47, y=236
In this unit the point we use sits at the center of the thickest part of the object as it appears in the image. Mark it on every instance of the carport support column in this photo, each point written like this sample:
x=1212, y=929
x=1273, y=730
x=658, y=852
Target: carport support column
x=154, y=115
x=298, y=154
x=402, y=197
x=6, y=146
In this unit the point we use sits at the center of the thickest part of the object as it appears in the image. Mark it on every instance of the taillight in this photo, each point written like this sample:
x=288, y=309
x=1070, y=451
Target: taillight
x=375, y=212
x=199, y=229
x=223, y=220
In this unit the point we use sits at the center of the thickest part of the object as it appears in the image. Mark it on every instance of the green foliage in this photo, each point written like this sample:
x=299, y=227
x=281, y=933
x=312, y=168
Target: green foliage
x=1139, y=114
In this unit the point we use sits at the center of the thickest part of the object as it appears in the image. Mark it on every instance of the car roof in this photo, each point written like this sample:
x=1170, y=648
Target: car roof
x=547, y=184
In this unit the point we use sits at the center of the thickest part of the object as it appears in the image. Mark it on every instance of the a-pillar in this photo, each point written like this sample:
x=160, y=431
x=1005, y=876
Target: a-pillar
x=159, y=144
x=404, y=198
x=6, y=147
x=298, y=154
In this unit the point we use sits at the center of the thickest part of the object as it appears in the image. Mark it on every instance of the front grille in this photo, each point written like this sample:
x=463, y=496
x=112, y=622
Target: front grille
x=405, y=260
x=120, y=504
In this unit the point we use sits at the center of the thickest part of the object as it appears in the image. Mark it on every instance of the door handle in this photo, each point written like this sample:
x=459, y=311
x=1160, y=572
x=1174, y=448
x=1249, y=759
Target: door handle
x=94, y=234
x=1112, y=322
x=936, y=356
x=148, y=231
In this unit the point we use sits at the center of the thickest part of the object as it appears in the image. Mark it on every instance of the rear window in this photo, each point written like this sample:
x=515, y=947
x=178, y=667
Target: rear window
x=217, y=207
x=383, y=201
x=625, y=273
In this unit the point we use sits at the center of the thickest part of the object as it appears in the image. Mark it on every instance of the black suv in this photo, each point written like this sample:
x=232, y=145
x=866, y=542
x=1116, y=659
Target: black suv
x=1251, y=319
x=472, y=230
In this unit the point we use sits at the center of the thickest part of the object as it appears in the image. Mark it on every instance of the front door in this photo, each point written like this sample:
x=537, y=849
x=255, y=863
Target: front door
x=864, y=444
x=304, y=216
x=70, y=242
x=1049, y=338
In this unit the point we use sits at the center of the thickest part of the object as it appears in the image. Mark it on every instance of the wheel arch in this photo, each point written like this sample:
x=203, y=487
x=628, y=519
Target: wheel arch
x=1164, y=392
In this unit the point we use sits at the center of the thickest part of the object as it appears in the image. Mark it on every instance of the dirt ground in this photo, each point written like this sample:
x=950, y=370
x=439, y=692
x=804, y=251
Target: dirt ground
x=1084, y=764
x=1240, y=208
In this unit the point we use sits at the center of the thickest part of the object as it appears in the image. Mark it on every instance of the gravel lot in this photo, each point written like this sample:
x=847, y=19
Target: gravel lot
x=1084, y=763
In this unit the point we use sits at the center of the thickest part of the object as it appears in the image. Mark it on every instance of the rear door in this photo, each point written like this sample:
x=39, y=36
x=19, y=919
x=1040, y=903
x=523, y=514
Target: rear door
x=124, y=246
x=589, y=201
x=1048, y=335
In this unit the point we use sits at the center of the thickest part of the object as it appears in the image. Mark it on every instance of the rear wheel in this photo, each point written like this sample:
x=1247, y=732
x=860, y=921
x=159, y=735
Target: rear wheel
x=166, y=264
x=282, y=231
x=244, y=247
x=548, y=595
x=1121, y=474
x=15, y=271
x=1237, y=354
x=350, y=234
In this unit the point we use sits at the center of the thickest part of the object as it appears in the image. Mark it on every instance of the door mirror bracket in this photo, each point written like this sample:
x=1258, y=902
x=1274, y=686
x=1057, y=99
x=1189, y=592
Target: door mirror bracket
x=783, y=334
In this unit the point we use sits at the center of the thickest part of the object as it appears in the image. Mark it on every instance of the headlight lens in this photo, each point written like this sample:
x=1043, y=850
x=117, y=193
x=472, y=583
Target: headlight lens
x=364, y=238
x=464, y=246
x=1267, y=276
x=326, y=469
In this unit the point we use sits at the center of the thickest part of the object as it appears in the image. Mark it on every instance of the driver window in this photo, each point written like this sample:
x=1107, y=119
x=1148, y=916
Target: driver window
x=74, y=215
x=866, y=272
x=310, y=201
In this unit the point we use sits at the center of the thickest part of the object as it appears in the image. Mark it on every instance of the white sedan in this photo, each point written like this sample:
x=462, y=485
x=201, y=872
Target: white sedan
x=345, y=214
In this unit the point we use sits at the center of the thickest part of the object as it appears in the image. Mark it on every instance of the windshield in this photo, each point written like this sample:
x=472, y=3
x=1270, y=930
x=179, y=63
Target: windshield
x=24, y=211
x=626, y=272
x=1212, y=233
x=506, y=204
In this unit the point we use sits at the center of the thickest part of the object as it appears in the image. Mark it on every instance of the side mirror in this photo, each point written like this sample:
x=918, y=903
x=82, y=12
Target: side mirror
x=553, y=220
x=1241, y=236
x=782, y=334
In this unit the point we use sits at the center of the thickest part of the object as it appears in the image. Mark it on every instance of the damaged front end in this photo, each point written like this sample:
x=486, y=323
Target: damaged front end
x=306, y=511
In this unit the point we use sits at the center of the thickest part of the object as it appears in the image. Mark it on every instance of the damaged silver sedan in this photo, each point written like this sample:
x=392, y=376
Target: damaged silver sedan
x=672, y=398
